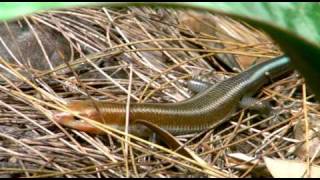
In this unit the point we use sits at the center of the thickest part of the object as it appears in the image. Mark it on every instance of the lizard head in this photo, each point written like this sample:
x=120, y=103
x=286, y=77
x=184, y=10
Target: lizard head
x=69, y=120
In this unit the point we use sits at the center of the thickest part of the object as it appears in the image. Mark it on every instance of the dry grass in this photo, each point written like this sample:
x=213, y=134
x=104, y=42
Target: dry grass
x=161, y=54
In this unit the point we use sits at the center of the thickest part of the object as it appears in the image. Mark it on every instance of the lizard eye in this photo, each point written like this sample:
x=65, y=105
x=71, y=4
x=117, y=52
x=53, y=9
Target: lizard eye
x=76, y=118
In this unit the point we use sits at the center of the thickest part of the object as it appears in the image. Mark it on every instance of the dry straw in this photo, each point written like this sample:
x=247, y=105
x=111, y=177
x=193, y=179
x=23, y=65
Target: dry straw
x=146, y=54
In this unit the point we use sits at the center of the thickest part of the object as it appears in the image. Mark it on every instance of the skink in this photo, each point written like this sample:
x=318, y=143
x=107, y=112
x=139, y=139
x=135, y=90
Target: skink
x=211, y=106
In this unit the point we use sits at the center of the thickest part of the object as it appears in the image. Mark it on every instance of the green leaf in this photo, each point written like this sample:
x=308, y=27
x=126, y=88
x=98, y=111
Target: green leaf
x=10, y=10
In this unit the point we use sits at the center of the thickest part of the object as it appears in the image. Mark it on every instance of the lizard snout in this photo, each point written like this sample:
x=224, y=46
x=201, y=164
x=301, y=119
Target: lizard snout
x=64, y=118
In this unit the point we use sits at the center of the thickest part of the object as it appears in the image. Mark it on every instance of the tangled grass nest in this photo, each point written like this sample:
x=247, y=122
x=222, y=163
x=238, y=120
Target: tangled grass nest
x=104, y=54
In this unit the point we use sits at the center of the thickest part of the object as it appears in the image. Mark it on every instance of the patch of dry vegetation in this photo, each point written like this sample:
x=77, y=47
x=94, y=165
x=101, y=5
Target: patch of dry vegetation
x=163, y=48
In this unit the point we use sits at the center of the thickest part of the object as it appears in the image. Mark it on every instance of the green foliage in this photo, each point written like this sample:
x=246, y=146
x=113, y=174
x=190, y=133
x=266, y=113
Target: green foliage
x=10, y=10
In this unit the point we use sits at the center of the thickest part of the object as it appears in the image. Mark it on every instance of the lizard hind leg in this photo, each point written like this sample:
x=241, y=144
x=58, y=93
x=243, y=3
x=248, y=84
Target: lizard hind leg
x=165, y=136
x=198, y=86
x=262, y=107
